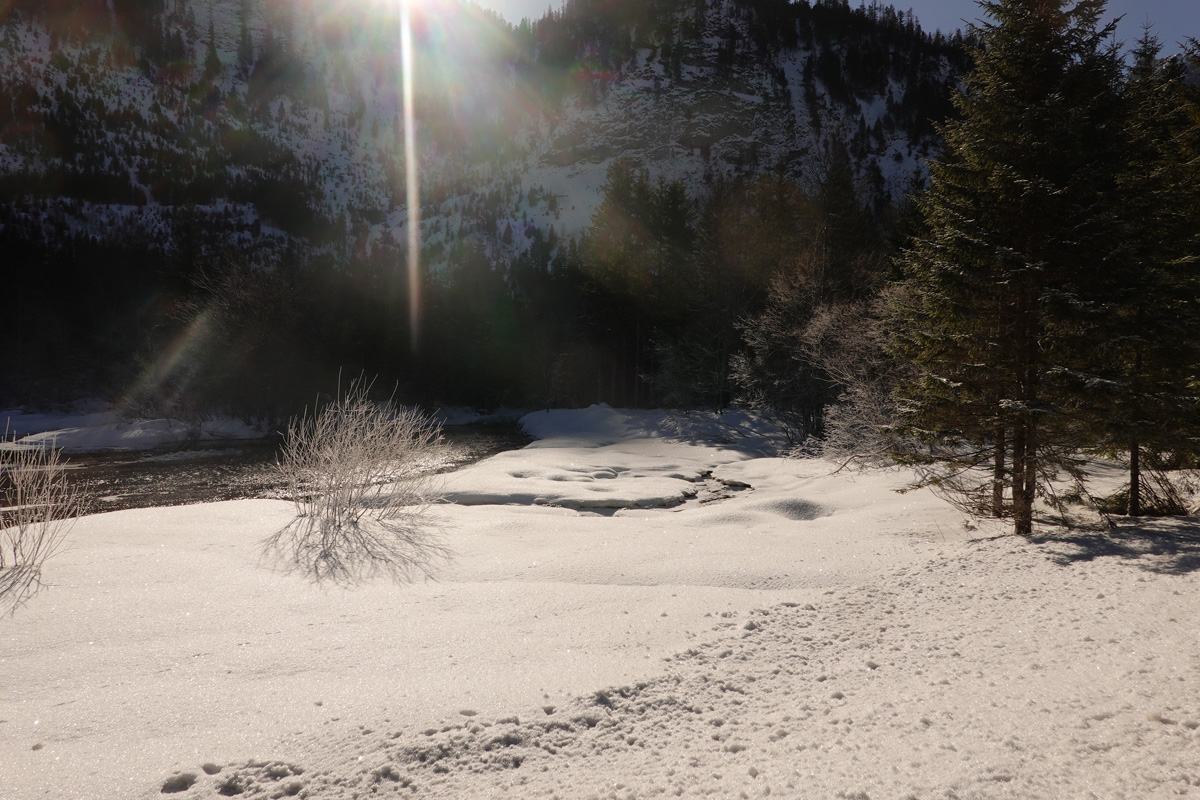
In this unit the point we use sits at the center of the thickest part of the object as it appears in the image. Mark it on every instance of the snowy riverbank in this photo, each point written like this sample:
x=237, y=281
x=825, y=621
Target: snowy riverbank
x=815, y=634
x=93, y=426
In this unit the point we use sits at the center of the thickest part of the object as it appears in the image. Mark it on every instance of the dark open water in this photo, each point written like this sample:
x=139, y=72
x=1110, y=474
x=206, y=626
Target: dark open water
x=115, y=481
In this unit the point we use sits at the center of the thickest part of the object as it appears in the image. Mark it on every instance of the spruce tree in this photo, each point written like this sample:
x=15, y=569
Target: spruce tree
x=245, y=51
x=1153, y=347
x=212, y=61
x=1018, y=231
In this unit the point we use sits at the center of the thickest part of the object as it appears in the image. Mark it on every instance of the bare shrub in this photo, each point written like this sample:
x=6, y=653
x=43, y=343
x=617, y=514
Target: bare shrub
x=774, y=375
x=39, y=509
x=361, y=476
x=791, y=368
x=846, y=342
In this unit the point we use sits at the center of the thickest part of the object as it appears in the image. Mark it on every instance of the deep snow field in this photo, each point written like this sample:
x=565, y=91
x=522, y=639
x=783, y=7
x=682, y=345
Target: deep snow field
x=778, y=629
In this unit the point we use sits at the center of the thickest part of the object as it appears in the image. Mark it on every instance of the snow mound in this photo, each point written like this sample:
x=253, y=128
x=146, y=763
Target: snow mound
x=793, y=509
x=606, y=458
x=107, y=430
x=600, y=425
x=606, y=477
x=595, y=426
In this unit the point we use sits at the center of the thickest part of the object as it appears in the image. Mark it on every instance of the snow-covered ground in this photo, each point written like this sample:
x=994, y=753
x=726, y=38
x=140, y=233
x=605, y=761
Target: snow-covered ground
x=93, y=426
x=780, y=629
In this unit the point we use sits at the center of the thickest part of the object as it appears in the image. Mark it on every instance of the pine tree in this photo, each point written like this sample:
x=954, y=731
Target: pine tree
x=245, y=51
x=212, y=61
x=1003, y=286
x=1154, y=347
x=637, y=254
x=835, y=261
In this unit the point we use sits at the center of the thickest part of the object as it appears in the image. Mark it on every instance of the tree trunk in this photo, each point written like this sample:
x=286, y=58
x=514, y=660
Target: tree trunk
x=612, y=383
x=998, y=473
x=1135, y=466
x=637, y=361
x=1022, y=502
x=1135, y=479
x=1031, y=471
x=1026, y=434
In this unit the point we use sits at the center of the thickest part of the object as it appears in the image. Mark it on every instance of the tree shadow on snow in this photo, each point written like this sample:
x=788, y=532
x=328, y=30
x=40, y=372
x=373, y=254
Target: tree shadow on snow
x=1165, y=545
x=398, y=547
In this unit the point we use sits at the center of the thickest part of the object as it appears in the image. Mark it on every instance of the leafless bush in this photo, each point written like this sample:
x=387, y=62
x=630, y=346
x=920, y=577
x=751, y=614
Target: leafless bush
x=361, y=476
x=845, y=341
x=775, y=375
x=794, y=367
x=39, y=509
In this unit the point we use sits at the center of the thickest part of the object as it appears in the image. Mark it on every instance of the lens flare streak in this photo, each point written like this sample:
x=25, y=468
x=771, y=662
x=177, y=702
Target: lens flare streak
x=171, y=366
x=412, y=180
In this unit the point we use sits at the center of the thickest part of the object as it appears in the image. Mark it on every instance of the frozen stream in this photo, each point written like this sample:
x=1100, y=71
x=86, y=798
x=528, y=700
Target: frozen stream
x=116, y=481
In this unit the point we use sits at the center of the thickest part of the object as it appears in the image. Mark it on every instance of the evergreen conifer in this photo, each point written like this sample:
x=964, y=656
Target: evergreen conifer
x=1153, y=346
x=1002, y=285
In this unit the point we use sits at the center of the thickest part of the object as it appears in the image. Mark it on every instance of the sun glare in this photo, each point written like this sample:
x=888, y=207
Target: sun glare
x=436, y=49
x=412, y=189
x=377, y=12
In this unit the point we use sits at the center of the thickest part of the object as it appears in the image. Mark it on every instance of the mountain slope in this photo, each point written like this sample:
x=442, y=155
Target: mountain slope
x=142, y=141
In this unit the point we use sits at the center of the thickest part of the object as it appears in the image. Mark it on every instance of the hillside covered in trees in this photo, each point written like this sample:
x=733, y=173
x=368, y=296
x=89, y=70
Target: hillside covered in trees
x=202, y=202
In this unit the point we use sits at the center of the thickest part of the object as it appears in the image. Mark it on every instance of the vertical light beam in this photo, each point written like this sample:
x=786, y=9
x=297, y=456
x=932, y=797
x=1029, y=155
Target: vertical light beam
x=412, y=179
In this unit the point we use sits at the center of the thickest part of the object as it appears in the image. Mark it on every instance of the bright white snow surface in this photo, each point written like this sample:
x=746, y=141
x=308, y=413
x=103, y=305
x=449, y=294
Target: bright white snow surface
x=93, y=427
x=816, y=635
